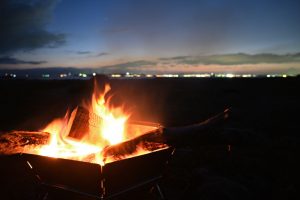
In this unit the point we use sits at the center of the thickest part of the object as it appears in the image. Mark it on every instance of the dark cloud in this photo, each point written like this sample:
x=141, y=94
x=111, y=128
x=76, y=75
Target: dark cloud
x=99, y=54
x=83, y=52
x=225, y=59
x=102, y=54
x=235, y=59
x=23, y=25
x=127, y=66
x=10, y=60
x=175, y=58
x=89, y=54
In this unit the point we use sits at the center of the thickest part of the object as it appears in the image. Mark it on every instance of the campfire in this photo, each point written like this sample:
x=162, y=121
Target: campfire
x=86, y=132
x=97, y=151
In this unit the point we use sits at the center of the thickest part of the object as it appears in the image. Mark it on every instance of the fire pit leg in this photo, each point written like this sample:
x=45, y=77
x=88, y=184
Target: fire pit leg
x=160, y=192
x=42, y=194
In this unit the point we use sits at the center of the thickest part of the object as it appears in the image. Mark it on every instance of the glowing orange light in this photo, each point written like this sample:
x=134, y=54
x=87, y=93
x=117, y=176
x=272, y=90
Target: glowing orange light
x=111, y=131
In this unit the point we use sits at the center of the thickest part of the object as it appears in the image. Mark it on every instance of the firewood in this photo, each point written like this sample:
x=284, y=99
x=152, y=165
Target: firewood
x=20, y=141
x=171, y=136
x=82, y=122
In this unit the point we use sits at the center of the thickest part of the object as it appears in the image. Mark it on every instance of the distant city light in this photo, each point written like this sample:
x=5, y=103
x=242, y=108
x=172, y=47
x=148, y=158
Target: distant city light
x=230, y=75
x=129, y=75
x=10, y=75
x=197, y=75
x=83, y=75
x=247, y=75
x=278, y=75
x=116, y=75
x=63, y=75
x=168, y=75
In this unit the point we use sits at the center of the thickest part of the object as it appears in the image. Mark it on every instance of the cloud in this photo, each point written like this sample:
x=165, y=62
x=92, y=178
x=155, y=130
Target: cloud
x=83, y=52
x=23, y=26
x=102, y=54
x=175, y=58
x=10, y=60
x=225, y=61
x=127, y=66
x=235, y=59
x=99, y=54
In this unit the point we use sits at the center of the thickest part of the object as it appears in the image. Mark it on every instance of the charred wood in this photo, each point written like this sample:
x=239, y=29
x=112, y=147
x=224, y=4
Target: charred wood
x=175, y=136
x=82, y=122
x=18, y=141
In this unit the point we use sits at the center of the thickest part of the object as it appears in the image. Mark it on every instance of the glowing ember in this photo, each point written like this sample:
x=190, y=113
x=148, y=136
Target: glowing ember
x=61, y=146
x=112, y=130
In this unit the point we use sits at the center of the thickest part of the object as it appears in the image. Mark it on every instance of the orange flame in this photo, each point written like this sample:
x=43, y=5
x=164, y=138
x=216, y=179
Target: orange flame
x=114, y=119
x=111, y=131
x=61, y=146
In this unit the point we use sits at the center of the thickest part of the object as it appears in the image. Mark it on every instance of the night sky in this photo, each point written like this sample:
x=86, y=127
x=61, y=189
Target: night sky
x=257, y=36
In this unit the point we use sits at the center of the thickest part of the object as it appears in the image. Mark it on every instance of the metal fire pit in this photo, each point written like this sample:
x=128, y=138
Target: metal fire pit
x=94, y=180
x=83, y=178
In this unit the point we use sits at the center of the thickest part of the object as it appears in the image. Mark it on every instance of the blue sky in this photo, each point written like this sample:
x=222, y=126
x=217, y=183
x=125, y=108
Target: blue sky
x=96, y=33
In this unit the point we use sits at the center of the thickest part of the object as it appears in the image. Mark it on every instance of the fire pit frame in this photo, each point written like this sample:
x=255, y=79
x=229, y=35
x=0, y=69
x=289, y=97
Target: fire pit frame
x=96, y=181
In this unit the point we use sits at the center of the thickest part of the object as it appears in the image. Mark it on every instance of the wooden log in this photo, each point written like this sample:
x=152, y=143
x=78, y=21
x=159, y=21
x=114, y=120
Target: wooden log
x=172, y=136
x=82, y=122
x=21, y=141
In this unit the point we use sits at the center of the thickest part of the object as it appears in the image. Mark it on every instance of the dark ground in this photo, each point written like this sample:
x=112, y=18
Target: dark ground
x=263, y=128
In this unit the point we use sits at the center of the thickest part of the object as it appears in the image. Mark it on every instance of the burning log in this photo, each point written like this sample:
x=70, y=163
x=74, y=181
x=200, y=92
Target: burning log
x=165, y=135
x=19, y=141
x=82, y=121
